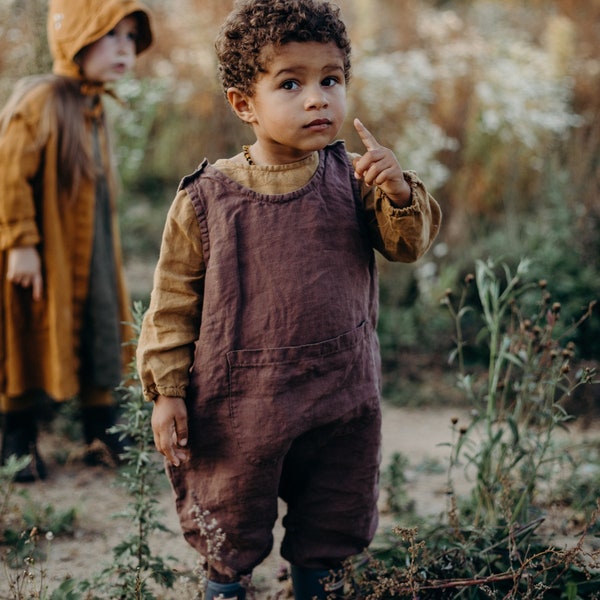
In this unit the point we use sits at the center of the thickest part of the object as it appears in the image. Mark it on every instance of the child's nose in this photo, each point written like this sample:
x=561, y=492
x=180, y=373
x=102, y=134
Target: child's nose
x=316, y=98
x=126, y=45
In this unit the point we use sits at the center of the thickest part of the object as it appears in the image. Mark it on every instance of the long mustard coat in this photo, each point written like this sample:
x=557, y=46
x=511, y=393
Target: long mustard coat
x=39, y=341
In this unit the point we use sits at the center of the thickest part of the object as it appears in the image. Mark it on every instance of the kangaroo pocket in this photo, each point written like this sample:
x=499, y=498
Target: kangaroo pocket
x=276, y=394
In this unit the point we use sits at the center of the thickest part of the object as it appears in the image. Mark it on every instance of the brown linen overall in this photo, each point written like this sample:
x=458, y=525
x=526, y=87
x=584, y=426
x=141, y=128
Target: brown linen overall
x=284, y=390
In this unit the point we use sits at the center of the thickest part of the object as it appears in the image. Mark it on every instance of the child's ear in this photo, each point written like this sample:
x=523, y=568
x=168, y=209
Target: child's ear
x=241, y=104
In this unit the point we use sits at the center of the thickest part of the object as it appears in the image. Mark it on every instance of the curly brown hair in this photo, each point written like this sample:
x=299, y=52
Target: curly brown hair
x=256, y=24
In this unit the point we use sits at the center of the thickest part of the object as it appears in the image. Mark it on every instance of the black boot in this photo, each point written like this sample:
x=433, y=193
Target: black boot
x=19, y=439
x=96, y=421
x=224, y=591
x=317, y=583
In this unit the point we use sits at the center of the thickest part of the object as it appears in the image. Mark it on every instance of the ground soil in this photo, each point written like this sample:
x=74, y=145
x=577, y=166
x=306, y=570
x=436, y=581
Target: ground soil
x=419, y=434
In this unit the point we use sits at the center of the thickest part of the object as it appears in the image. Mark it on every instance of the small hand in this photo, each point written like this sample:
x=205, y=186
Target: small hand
x=169, y=424
x=379, y=166
x=25, y=269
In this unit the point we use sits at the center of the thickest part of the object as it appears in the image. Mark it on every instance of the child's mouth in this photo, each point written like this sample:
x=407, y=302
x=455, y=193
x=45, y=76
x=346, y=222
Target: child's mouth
x=318, y=124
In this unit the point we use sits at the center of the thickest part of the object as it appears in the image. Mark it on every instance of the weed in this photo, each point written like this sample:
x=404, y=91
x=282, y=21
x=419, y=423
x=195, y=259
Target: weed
x=517, y=403
x=28, y=581
x=135, y=565
x=490, y=546
x=43, y=519
x=27, y=528
x=7, y=487
x=394, y=482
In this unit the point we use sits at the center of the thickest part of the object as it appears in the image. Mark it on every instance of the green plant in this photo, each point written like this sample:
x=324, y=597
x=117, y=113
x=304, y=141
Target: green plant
x=7, y=487
x=135, y=565
x=474, y=563
x=27, y=528
x=26, y=580
x=394, y=484
x=491, y=545
x=517, y=401
x=35, y=519
x=578, y=489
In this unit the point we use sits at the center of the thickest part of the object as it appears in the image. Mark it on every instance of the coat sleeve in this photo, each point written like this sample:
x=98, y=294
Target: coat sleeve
x=20, y=156
x=172, y=322
x=402, y=234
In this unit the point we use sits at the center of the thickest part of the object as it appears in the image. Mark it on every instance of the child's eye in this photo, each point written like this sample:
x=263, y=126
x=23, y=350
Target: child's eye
x=289, y=85
x=329, y=81
x=133, y=36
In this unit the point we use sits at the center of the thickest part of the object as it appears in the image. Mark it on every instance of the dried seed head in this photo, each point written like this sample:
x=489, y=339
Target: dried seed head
x=565, y=369
x=556, y=307
x=542, y=283
x=469, y=278
x=454, y=420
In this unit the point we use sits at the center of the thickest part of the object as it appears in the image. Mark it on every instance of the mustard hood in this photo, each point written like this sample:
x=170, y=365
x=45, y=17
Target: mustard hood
x=74, y=24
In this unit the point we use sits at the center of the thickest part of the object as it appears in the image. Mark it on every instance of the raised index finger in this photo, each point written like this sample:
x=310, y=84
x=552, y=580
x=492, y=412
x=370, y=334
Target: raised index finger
x=368, y=139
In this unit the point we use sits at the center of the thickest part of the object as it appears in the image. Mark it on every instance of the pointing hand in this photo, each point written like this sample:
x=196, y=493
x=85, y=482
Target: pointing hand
x=379, y=166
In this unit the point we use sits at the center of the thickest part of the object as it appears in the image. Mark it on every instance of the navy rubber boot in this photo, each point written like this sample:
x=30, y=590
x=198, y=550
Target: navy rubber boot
x=224, y=591
x=317, y=583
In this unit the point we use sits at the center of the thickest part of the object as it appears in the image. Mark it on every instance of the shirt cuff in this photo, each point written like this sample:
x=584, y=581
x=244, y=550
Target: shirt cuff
x=416, y=191
x=152, y=392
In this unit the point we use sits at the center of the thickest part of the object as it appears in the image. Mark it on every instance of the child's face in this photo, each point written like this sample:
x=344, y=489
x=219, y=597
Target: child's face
x=299, y=104
x=109, y=58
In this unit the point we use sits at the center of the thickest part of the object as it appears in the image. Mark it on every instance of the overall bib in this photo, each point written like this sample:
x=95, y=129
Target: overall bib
x=284, y=392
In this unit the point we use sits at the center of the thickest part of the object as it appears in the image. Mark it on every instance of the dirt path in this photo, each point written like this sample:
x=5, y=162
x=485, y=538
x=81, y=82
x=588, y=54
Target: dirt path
x=417, y=434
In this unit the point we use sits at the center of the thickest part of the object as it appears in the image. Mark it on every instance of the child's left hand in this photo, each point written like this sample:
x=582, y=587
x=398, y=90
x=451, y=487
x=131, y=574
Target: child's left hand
x=379, y=166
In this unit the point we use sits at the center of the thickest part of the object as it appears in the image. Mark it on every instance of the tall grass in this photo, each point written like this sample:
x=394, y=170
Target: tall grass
x=490, y=543
x=518, y=404
x=134, y=563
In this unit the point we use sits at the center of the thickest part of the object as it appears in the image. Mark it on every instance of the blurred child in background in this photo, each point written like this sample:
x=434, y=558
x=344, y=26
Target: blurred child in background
x=63, y=302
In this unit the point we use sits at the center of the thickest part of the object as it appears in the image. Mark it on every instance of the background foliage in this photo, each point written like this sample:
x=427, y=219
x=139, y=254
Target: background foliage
x=494, y=103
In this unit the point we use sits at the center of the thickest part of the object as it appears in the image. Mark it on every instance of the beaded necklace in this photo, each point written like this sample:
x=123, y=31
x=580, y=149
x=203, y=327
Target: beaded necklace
x=247, y=156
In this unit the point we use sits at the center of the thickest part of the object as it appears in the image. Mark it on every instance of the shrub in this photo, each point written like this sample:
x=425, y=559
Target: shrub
x=490, y=546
